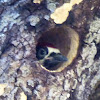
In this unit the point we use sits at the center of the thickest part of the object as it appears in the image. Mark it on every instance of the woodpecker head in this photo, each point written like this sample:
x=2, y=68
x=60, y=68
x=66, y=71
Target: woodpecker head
x=48, y=55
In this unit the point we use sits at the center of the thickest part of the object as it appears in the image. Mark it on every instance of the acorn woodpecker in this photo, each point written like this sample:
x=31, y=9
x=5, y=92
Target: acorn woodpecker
x=48, y=55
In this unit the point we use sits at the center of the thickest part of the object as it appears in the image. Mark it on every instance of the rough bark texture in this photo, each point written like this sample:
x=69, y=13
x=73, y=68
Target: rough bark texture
x=22, y=78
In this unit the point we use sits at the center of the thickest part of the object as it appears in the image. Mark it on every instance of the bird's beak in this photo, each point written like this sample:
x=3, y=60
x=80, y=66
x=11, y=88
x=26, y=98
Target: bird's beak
x=51, y=61
x=58, y=58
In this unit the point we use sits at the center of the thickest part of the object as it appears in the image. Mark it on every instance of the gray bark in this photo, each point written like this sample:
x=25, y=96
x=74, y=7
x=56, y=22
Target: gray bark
x=21, y=23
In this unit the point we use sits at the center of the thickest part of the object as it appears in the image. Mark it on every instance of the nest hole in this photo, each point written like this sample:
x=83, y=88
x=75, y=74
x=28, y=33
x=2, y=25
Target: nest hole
x=66, y=40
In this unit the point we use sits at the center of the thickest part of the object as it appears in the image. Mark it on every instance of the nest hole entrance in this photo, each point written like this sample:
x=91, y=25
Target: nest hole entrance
x=66, y=40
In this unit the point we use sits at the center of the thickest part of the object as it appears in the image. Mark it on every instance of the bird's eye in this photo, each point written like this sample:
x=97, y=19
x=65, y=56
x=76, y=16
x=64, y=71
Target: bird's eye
x=42, y=52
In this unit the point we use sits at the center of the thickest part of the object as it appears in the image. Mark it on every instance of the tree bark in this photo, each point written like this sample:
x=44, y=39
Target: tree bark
x=22, y=22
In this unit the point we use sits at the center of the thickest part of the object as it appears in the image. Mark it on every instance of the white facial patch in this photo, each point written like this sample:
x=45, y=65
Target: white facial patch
x=50, y=50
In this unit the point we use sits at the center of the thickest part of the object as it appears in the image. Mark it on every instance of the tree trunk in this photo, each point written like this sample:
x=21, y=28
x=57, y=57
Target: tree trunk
x=22, y=24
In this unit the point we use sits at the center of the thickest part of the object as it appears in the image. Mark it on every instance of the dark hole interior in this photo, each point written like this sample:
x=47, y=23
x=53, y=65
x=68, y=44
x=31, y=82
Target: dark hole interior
x=66, y=40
